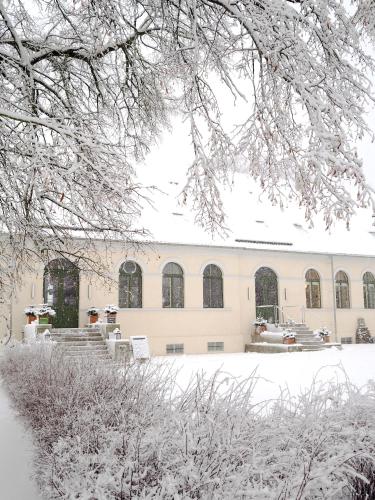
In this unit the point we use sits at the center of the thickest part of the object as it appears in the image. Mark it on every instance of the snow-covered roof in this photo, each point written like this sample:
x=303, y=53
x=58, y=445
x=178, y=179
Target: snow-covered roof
x=254, y=223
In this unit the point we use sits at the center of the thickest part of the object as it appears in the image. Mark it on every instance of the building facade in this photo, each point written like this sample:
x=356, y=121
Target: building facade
x=200, y=298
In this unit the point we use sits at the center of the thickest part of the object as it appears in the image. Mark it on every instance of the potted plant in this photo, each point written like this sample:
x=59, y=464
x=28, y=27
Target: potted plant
x=93, y=314
x=111, y=313
x=31, y=313
x=289, y=337
x=324, y=334
x=260, y=325
x=46, y=313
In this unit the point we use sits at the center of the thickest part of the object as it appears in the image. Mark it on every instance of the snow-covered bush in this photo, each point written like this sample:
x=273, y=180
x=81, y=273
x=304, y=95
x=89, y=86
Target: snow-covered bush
x=93, y=311
x=31, y=310
x=105, y=432
x=46, y=310
x=323, y=332
x=260, y=321
x=288, y=334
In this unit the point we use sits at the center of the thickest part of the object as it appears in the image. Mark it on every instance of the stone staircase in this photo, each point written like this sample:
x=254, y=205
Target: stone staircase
x=81, y=342
x=305, y=336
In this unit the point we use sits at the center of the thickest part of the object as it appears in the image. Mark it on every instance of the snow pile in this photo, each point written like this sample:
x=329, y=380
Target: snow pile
x=109, y=433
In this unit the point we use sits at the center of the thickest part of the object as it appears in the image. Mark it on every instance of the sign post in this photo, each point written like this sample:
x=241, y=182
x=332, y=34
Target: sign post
x=140, y=347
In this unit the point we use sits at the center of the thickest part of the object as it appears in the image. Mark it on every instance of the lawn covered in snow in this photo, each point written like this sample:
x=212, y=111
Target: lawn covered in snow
x=294, y=372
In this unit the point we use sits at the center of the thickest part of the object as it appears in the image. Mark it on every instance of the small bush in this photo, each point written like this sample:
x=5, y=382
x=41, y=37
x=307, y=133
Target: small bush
x=104, y=432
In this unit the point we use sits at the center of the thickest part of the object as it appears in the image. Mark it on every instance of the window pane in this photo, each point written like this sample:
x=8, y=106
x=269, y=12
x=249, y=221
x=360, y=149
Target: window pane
x=166, y=291
x=345, y=295
x=130, y=285
x=177, y=292
x=173, y=285
x=312, y=275
x=315, y=295
x=212, y=287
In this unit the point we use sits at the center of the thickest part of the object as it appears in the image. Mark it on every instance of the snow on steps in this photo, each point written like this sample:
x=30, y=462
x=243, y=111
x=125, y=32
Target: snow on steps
x=81, y=342
x=305, y=337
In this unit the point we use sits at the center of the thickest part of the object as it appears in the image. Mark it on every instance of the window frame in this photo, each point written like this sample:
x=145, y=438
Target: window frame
x=169, y=280
x=309, y=283
x=174, y=349
x=339, y=288
x=208, y=281
x=124, y=289
x=215, y=346
x=368, y=298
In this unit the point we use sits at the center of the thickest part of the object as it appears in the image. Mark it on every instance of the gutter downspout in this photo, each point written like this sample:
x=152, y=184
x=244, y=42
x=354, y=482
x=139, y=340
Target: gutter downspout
x=334, y=299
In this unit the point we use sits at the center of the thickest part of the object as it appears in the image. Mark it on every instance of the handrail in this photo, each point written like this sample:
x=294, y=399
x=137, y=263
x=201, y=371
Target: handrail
x=279, y=312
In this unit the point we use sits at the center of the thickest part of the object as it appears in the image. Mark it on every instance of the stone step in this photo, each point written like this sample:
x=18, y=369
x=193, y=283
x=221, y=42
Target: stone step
x=312, y=348
x=88, y=352
x=101, y=357
x=79, y=333
x=309, y=344
x=72, y=330
x=84, y=348
x=81, y=343
x=76, y=338
x=295, y=325
x=308, y=337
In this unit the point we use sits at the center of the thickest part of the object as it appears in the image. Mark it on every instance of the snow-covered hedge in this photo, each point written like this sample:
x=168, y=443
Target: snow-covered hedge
x=118, y=434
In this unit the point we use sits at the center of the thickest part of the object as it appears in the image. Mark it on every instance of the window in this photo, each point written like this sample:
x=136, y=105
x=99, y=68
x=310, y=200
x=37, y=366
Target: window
x=130, y=285
x=369, y=290
x=215, y=346
x=346, y=340
x=175, y=348
x=212, y=286
x=342, y=290
x=312, y=287
x=173, y=286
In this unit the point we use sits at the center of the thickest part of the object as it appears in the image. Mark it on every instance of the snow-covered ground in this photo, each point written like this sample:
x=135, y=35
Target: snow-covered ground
x=16, y=455
x=293, y=371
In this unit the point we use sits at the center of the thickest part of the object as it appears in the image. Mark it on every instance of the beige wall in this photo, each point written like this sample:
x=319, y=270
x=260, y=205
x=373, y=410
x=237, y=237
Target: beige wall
x=194, y=326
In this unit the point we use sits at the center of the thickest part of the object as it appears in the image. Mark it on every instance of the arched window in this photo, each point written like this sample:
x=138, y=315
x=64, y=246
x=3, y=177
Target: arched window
x=369, y=290
x=173, y=286
x=342, y=290
x=130, y=285
x=212, y=286
x=312, y=288
x=266, y=294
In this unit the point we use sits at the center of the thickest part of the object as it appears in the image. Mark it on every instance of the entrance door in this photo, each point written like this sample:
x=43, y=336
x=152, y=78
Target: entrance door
x=61, y=291
x=266, y=294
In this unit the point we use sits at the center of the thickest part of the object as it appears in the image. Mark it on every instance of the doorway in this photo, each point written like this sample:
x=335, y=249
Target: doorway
x=266, y=294
x=61, y=291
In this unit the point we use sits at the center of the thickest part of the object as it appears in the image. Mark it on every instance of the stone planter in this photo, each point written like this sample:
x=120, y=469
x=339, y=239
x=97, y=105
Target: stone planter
x=30, y=318
x=326, y=339
x=289, y=341
x=260, y=329
x=93, y=318
x=111, y=317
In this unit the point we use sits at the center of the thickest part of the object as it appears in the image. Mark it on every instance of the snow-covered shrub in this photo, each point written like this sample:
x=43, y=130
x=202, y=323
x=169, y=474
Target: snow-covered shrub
x=260, y=321
x=289, y=334
x=93, y=311
x=105, y=432
x=46, y=310
x=323, y=332
x=31, y=310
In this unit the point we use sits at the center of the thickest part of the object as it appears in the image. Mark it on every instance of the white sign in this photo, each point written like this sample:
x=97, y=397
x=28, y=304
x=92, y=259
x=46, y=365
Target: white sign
x=140, y=347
